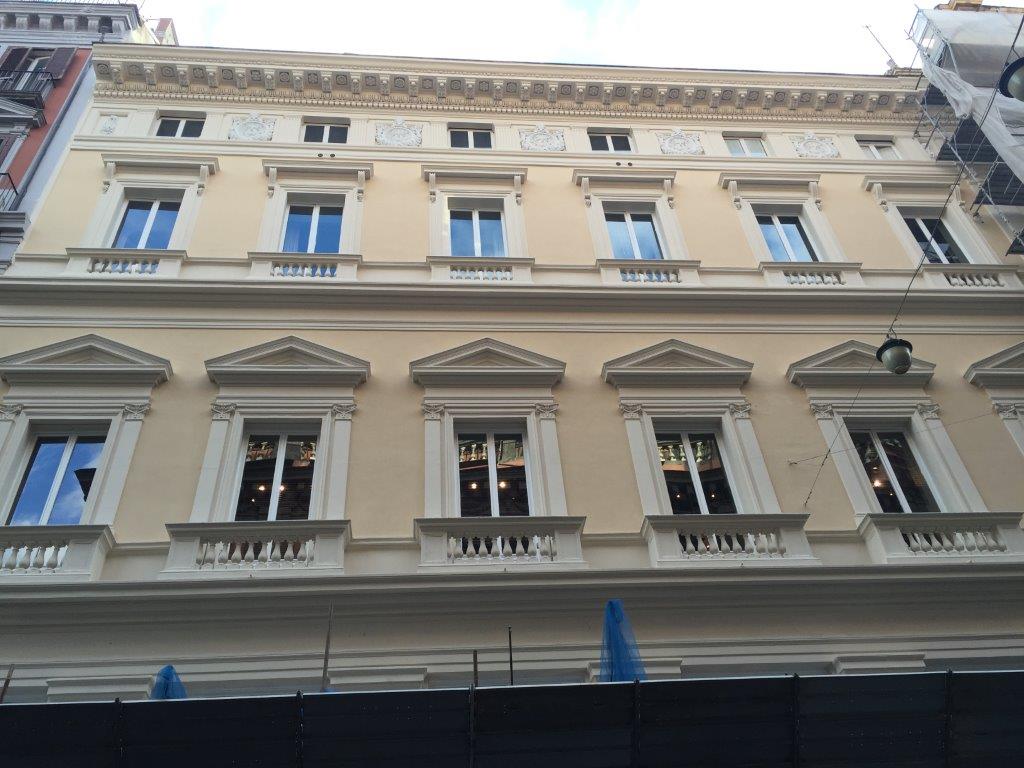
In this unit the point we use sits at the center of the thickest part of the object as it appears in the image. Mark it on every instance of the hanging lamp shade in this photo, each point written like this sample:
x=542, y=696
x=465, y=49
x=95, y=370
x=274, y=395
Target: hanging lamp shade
x=1011, y=82
x=895, y=355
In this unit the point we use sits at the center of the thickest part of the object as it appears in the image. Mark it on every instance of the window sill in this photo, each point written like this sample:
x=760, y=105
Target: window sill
x=53, y=553
x=458, y=543
x=225, y=550
x=480, y=269
x=724, y=541
x=961, y=537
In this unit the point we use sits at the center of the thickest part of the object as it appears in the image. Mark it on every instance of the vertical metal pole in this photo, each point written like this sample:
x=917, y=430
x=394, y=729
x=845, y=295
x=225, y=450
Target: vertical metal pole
x=511, y=671
x=476, y=669
x=7, y=683
x=947, y=730
x=796, y=721
x=634, y=756
x=327, y=651
x=472, y=725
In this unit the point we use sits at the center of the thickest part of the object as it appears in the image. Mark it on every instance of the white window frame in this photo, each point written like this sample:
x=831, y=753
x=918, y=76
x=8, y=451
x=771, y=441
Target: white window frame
x=743, y=139
x=327, y=130
x=607, y=134
x=633, y=241
x=346, y=188
x=471, y=137
x=666, y=223
x=684, y=434
x=926, y=232
x=774, y=214
x=873, y=431
x=181, y=126
x=870, y=147
x=282, y=430
x=474, y=207
x=314, y=222
x=147, y=228
x=490, y=430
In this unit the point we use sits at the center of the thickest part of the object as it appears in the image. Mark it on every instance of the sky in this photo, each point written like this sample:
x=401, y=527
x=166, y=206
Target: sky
x=787, y=35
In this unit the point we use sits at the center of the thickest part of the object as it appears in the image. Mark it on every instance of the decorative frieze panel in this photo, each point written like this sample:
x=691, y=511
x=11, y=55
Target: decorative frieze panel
x=399, y=134
x=680, y=142
x=542, y=139
x=818, y=147
x=252, y=128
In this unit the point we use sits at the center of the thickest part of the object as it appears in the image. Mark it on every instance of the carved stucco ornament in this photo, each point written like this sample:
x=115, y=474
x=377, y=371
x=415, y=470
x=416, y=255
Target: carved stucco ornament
x=541, y=139
x=252, y=128
x=108, y=125
x=680, y=142
x=810, y=145
x=399, y=134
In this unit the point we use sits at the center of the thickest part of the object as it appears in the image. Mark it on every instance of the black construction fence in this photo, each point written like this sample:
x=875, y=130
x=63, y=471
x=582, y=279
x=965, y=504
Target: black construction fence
x=923, y=720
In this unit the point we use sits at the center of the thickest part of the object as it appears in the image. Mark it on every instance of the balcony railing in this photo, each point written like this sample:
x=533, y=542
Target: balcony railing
x=25, y=86
x=54, y=552
x=505, y=542
x=8, y=193
x=717, y=540
x=946, y=537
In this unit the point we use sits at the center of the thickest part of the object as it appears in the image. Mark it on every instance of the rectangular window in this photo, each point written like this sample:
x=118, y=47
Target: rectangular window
x=935, y=241
x=57, y=480
x=322, y=133
x=180, y=127
x=695, y=474
x=476, y=232
x=633, y=235
x=878, y=150
x=610, y=142
x=745, y=146
x=147, y=224
x=470, y=138
x=492, y=475
x=312, y=228
x=277, y=477
x=893, y=472
x=786, y=238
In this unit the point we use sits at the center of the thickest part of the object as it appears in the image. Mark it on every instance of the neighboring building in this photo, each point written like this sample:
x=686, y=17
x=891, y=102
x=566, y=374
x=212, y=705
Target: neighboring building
x=45, y=84
x=460, y=345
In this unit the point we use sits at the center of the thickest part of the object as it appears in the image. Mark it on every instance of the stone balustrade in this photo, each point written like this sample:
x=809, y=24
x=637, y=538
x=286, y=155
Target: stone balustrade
x=722, y=540
x=955, y=537
x=812, y=274
x=967, y=276
x=54, y=552
x=506, y=542
x=470, y=269
x=279, y=548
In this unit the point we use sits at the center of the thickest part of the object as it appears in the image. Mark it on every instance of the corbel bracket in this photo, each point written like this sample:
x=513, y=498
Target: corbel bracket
x=815, y=192
x=879, y=194
x=432, y=185
x=669, y=196
x=585, y=186
x=734, y=193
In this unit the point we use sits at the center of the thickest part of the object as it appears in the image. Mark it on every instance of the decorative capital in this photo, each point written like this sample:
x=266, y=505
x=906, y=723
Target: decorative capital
x=545, y=410
x=928, y=410
x=134, y=411
x=433, y=411
x=823, y=410
x=1008, y=411
x=10, y=411
x=631, y=411
x=740, y=410
x=342, y=411
x=223, y=411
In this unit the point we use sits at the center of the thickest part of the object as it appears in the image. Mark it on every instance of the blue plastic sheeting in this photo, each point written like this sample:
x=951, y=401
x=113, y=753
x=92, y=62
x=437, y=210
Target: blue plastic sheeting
x=620, y=658
x=167, y=685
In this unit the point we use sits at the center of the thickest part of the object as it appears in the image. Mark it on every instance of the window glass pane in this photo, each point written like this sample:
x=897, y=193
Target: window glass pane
x=460, y=139
x=474, y=482
x=599, y=142
x=908, y=473
x=74, y=488
x=711, y=470
x=868, y=150
x=462, y=233
x=328, y=230
x=620, y=143
x=646, y=236
x=167, y=127
x=192, y=129
x=35, y=486
x=735, y=147
x=888, y=152
x=337, y=134
x=492, y=241
x=296, y=232
x=257, y=478
x=314, y=133
x=510, y=461
x=877, y=476
x=948, y=247
x=482, y=139
x=134, y=221
x=622, y=246
x=772, y=238
x=163, y=224
x=755, y=147
x=297, y=477
x=797, y=238
x=681, y=492
x=920, y=228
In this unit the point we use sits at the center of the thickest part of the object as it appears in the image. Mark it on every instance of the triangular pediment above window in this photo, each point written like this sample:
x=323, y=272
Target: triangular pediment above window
x=1003, y=369
x=675, y=363
x=853, y=364
x=487, y=362
x=85, y=360
x=289, y=361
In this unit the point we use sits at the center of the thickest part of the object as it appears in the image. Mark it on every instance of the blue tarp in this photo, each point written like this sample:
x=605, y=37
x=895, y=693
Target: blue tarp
x=620, y=658
x=167, y=685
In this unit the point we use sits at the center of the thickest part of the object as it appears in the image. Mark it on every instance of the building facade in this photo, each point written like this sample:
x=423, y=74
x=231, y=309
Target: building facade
x=46, y=81
x=457, y=346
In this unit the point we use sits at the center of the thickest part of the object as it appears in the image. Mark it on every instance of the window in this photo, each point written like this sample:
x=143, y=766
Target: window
x=180, y=127
x=470, y=138
x=492, y=475
x=476, y=232
x=893, y=471
x=57, y=480
x=786, y=238
x=633, y=235
x=277, y=477
x=745, y=146
x=313, y=228
x=607, y=141
x=322, y=133
x=878, y=149
x=935, y=241
x=147, y=224
x=695, y=474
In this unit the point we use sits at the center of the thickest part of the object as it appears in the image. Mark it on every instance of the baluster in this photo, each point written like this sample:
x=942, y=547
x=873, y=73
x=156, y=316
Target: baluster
x=544, y=549
x=209, y=554
x=222, y=552
x=531, y=547
x=201, y=554
x=913, y=539
x=971, y=541
x=506, y=546
x=713, y=544
x=983, y=539
x=946, y=541
x=958, y=541
x=289, y=552
x=36, y=562
x=264, y=555
x=50, y=557
x=236, y=553
x=248, y=558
